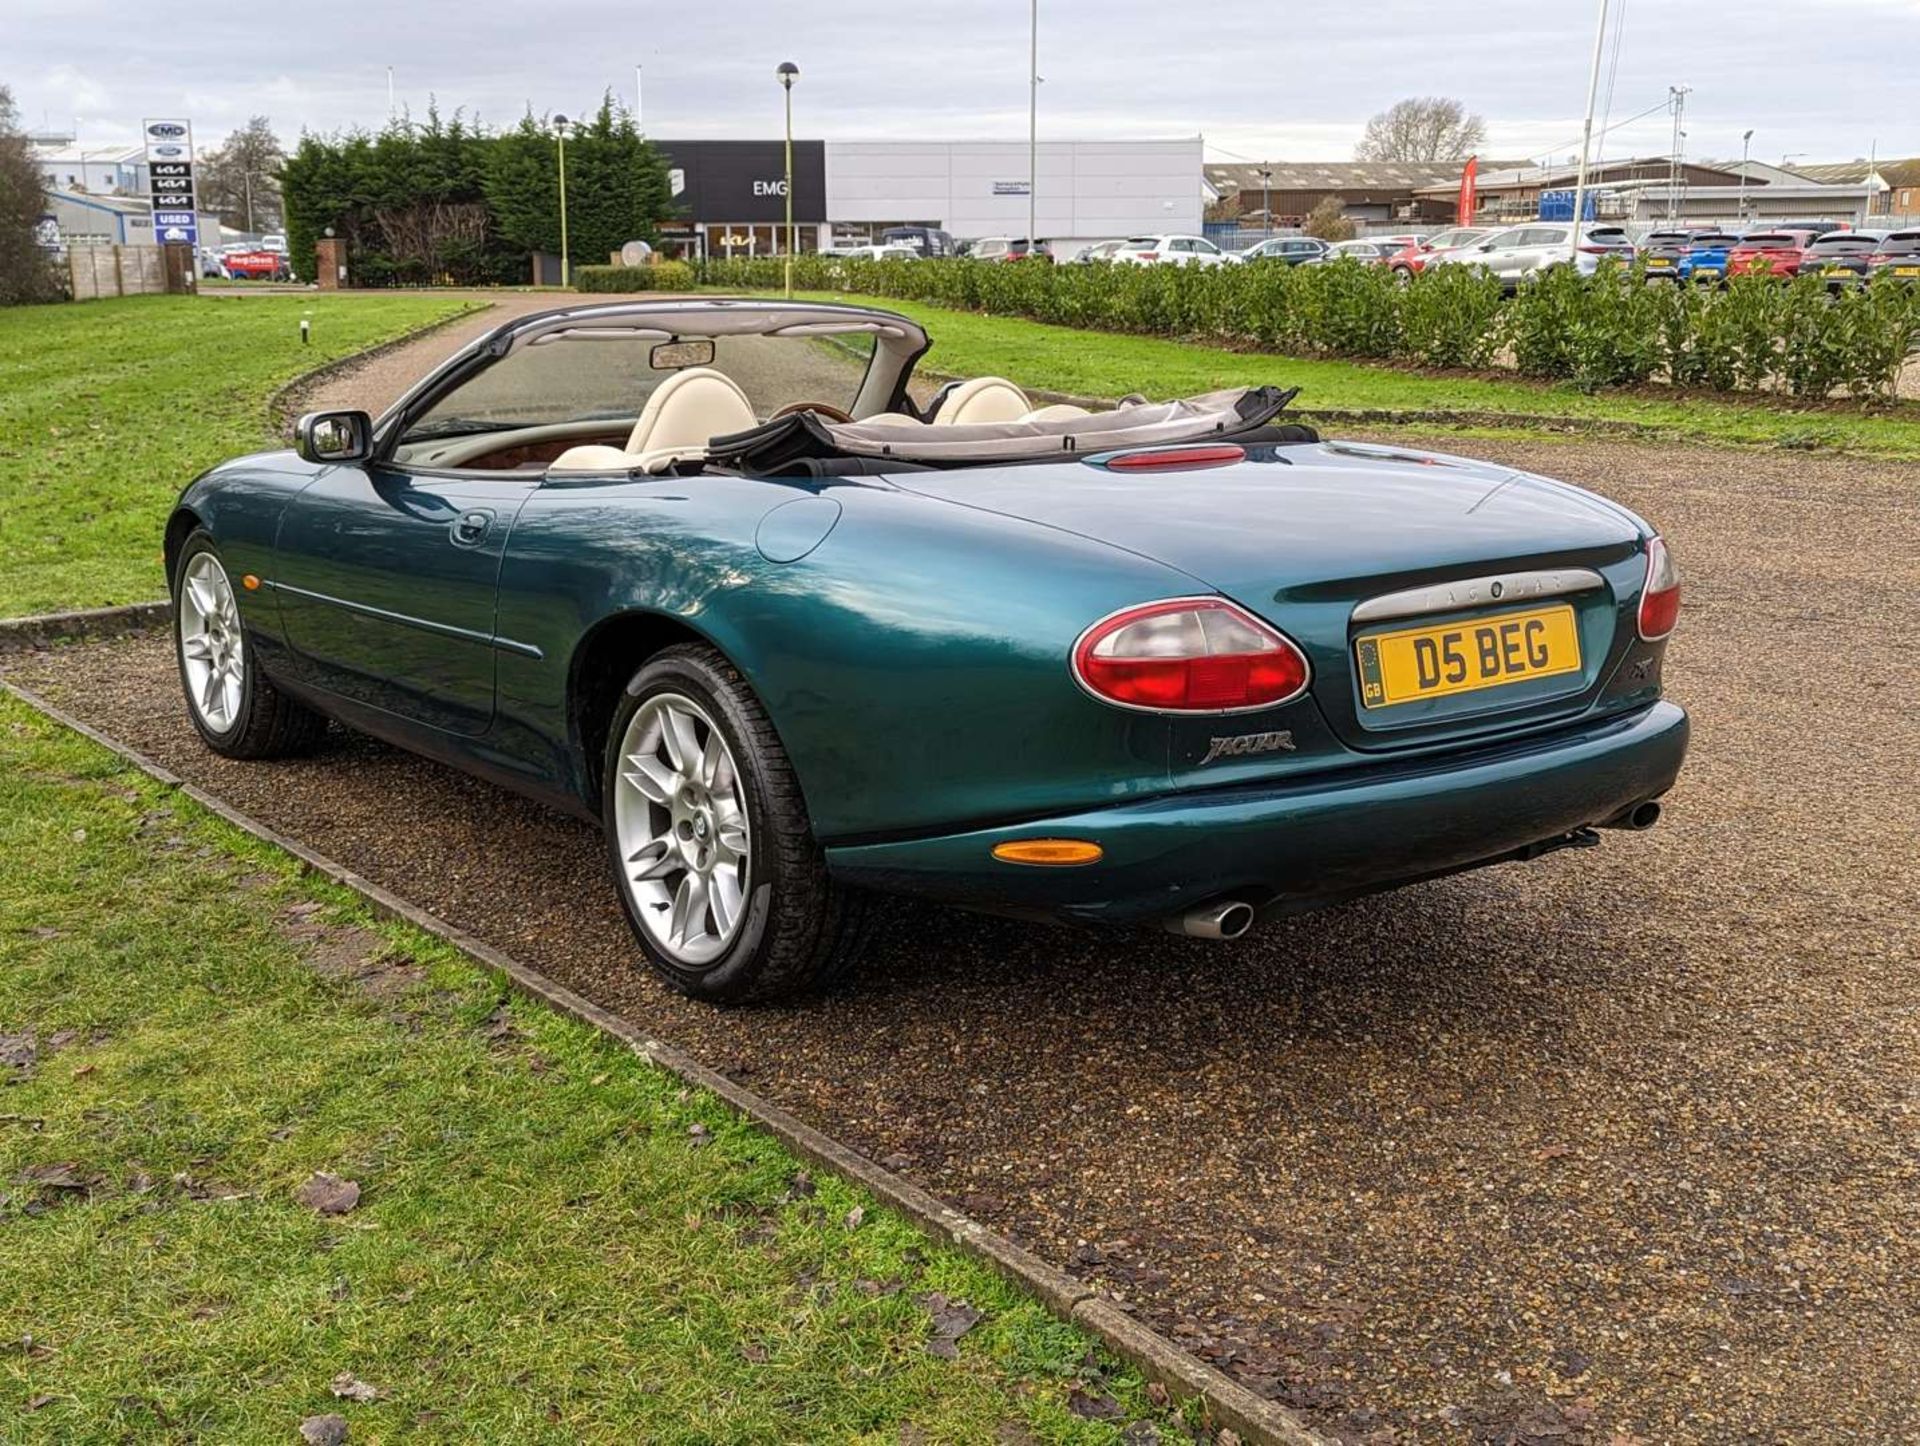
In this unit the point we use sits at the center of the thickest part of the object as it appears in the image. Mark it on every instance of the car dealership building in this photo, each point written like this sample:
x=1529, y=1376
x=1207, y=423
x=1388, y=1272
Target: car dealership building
x=732, y=197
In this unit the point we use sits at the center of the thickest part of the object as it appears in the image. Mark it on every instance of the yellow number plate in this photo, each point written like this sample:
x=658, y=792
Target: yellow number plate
x=1906, y=271
x=1432, y=662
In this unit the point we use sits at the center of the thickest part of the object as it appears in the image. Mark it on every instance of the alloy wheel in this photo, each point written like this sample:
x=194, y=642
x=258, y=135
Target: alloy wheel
x=213, y=652
x=680, y=821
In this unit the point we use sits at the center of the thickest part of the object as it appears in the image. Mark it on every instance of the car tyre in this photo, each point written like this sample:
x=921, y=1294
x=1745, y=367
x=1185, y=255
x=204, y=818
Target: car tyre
x=708, y=838
x=232, y=703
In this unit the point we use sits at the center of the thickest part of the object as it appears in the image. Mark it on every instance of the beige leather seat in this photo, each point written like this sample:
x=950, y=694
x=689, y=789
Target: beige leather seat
x=685, y=412
x=984, y=399
x=689, y=409
x=1058, y=412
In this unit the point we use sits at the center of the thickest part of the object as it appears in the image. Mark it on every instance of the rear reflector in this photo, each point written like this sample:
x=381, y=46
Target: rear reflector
x=1176, y=459
x=1188, y=655
x=1049, y=852
x=1660, y=598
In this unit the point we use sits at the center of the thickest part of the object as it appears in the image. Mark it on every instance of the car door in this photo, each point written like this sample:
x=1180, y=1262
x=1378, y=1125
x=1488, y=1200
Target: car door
x=386, y=579
x=1540, y=247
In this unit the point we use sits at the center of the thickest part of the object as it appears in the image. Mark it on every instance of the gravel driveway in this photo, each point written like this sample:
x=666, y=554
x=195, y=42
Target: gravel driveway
x=1620, y=1145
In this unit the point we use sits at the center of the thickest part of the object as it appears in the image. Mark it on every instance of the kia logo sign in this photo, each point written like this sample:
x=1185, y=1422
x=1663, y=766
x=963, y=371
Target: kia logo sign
x=166, y=131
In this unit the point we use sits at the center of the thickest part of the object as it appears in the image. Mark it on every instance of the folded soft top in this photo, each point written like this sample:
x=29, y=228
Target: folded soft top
x=802, y=436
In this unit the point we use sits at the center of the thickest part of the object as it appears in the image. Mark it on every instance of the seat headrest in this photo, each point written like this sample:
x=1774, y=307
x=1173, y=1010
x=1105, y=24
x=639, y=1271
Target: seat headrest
x=984, y=399
x=690, y=408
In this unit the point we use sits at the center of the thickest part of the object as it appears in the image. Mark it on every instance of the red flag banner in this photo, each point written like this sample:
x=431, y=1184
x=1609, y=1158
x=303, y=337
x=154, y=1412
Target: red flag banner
x=1468, y=199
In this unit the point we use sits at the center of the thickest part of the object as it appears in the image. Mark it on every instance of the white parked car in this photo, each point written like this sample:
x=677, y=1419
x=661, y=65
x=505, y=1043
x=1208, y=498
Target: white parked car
x=1519, y=253
x=876, y=253
x=1171, y=250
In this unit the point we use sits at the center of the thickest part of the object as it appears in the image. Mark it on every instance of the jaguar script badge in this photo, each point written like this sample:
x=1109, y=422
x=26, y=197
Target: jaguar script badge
x=1280, y=741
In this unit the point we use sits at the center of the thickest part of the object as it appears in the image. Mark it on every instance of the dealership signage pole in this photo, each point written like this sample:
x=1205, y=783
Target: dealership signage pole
x=788, y=73
x=1586, y=140
x=170, y=185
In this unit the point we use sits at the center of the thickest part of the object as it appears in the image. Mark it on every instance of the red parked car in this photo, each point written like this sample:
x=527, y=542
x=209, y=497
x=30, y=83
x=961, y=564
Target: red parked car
x=1411, y=260
x=1778, y=253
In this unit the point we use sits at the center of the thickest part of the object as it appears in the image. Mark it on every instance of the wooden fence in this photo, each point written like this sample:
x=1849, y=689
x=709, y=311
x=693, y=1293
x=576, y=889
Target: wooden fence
x=113, y=270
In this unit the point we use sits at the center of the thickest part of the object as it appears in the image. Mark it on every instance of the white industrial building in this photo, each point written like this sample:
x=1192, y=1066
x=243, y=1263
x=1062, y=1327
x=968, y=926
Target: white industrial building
x=732, y=199
x=1084, y=191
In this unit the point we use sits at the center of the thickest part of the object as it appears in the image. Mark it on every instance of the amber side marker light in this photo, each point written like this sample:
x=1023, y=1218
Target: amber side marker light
x=1054, y=851
x=250, y=583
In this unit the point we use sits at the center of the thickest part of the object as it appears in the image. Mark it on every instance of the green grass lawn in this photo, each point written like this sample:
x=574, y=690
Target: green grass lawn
x=1103, y=364
x=109, y=408
x=554, y=1241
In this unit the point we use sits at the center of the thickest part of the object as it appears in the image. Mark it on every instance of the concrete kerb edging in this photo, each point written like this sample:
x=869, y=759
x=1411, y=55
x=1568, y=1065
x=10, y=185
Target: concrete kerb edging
x=19, y=634
x=1226, y=1402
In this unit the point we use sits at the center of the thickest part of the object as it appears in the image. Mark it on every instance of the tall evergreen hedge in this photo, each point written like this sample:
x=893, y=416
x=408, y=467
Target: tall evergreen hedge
x=448, y=202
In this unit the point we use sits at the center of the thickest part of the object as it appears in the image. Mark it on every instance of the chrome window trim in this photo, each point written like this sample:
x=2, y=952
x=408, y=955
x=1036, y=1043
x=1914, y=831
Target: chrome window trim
x=1474, y=592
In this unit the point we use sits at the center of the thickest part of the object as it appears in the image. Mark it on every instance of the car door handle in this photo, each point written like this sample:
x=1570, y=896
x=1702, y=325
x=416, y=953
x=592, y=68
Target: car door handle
x=470, y=529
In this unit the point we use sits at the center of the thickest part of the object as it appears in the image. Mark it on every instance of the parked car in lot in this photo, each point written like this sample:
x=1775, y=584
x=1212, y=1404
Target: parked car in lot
x=1896, y=258
x=1705, y=258
x=1841, y=258
x=1661, y=250
x=1169, y=250
x=876, y=253
x=1519, y=253
x=786, y=637
x=1775, y=252
x=1410, y=260
x=1367, y=252
x=1009, y=248
x=921, y=240
x=1098, y=252
x=1287, y=250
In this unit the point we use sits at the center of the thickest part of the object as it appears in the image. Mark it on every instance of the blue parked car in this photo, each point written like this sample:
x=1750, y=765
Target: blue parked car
x=1705, y=260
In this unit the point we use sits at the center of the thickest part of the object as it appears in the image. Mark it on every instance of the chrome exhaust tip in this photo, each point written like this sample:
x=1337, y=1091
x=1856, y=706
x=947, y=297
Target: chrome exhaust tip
x=1228, y=919
x=1638, y=817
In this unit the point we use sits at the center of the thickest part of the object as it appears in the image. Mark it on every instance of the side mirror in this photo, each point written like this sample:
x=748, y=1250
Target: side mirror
x=1484, y=246
x=334, y=437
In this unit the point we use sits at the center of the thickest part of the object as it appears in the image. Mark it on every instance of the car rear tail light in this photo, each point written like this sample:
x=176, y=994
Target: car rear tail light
x=1148, y=255
x=1598, y=250
x=1188, y=655
x=1660, y=598
x=1177, y=459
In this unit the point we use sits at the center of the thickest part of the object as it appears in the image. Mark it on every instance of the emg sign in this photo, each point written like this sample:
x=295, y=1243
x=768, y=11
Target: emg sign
x=728, y=183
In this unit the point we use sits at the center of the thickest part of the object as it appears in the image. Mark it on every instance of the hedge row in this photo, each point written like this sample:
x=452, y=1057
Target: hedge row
x=662, y=276
x=1613, y=329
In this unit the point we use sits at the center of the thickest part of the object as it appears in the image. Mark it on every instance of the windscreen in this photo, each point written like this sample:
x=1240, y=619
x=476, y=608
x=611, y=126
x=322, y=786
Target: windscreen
x=609, y=376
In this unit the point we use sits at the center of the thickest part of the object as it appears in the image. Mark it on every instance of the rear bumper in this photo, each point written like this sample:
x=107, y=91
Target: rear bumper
x=1294, y=845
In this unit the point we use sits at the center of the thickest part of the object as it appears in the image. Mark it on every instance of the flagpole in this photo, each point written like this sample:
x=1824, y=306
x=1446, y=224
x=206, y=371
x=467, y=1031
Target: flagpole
x=1586, y=140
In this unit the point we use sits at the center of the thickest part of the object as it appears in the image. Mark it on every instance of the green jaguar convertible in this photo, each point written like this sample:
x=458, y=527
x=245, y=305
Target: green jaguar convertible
x=792, y=627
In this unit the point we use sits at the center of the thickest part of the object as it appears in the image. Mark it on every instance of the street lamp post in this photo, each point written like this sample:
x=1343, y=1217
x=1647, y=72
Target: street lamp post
x=1746, y=150
x=1266, y=197
x=789, y=73
x=1586, y=140
x=560, y=137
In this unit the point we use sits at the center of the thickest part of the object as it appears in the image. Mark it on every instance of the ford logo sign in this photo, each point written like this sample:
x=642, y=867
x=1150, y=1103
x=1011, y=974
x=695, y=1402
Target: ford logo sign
x=166, y=131
x=169, y=150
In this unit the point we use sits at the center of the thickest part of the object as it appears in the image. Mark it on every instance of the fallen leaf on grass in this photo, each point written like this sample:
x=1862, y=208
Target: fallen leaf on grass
x=62, y=1176
x=1095, y=1405
x=855, y=1216
x=40, y=1403
x=324, y=1430
x=349, y=1387
x=18, y=1051
x=328, y=1194
x=951, y=1320
x=699, y=1135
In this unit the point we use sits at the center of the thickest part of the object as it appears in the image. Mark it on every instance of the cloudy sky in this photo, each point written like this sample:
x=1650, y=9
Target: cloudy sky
x=1259, y=80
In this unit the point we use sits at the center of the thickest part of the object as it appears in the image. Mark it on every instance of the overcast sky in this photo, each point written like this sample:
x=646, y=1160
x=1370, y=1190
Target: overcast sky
x=1259, y=80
